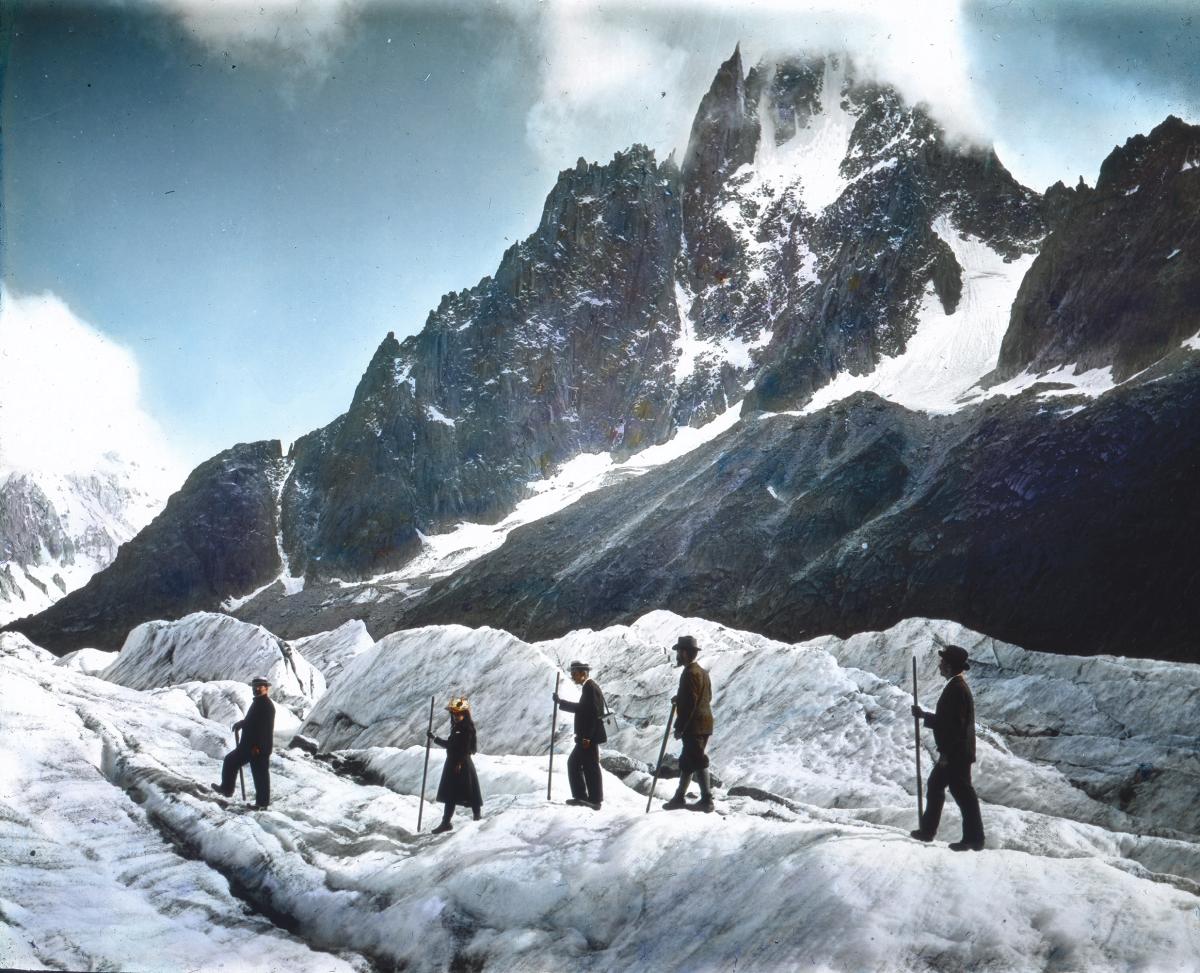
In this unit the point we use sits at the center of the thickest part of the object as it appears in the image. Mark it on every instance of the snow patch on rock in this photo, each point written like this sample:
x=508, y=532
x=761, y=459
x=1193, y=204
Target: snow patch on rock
x=948, y=353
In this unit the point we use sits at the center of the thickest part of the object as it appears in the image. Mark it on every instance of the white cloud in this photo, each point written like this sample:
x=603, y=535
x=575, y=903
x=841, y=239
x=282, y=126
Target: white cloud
x=301, y=35
x=69, y=395
x=612, y=74
x=602, y=82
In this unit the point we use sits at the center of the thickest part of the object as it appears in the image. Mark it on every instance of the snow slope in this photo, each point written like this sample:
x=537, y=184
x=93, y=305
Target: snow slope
x=808, y=867
x=948, y=353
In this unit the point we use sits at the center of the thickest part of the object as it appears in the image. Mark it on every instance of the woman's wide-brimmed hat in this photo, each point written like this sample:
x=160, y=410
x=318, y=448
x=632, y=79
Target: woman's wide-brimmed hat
x=459, y=704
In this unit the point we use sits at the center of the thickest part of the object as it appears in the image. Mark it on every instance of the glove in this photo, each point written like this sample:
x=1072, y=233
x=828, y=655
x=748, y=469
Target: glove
x=554, y=696
x=674, y=700
x=585, y=743
x=917, y=711
x=429, y=735
x=237, y=727
x=255, y=751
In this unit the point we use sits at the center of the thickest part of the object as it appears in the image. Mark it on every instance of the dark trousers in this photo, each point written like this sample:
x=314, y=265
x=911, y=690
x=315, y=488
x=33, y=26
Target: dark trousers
x=583, y=771
x=693, y=757
x=448, y=811
x=956, y=777
x=260, y=770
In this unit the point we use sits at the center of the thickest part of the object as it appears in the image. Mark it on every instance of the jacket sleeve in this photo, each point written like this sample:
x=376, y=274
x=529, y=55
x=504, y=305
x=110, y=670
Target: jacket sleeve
x=685, y=708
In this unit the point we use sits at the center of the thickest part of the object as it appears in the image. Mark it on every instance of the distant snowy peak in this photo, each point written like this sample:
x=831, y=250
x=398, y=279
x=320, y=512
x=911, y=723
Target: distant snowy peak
x=58, y=529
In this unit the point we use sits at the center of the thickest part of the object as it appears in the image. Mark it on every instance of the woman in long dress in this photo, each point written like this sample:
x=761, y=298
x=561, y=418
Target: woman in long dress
x=459, y=783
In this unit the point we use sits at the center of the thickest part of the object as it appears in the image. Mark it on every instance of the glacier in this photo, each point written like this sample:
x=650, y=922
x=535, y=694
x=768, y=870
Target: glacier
x=117, y=855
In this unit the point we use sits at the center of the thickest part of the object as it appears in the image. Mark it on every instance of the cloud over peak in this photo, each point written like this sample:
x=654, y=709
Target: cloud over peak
x=69, y=396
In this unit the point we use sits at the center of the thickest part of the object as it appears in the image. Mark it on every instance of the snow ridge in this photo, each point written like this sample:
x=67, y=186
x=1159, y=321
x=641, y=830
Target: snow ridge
x=809, y=866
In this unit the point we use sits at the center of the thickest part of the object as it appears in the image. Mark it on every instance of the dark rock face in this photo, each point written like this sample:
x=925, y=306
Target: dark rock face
x=1117, y=281
x=1068, y=534
x=216, y=537
x=566, y=349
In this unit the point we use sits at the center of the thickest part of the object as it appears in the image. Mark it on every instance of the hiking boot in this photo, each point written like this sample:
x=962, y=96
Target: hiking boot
x=221, y=790
x=966, y=846
x=677, y=803
x=443, y=828
x=705, y=805
x=921, y=835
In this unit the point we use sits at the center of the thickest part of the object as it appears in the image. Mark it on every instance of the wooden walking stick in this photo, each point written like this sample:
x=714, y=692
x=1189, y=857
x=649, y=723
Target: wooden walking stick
x=553, y=731
x=917, y=733
x=425, y=772
x=661, y=753
x=237, y=742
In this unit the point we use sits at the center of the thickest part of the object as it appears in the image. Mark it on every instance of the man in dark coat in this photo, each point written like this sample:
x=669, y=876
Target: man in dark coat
x=254, y=747
x=460, y=782
x=583, y=766
x=953, y=725
x=693, y=725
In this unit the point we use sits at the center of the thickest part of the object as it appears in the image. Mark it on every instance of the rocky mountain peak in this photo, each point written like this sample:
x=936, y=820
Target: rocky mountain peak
x=724, y=132
x=1145, y=162
x=1116, y=284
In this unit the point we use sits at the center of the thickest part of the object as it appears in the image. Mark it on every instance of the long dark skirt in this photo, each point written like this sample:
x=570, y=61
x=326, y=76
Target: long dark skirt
x=459, y=783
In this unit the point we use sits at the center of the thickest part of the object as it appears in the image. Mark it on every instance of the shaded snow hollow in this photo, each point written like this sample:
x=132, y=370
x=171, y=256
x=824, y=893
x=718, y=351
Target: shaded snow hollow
x=808, y=866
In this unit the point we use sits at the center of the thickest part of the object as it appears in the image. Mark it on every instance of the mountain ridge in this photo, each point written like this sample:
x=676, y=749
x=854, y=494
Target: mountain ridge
x=812, y=233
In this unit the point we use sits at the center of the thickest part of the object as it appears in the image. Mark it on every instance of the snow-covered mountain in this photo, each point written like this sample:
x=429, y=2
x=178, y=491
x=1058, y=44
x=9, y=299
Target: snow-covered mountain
x=57, y=529
x=117, y=854
x=939, y=393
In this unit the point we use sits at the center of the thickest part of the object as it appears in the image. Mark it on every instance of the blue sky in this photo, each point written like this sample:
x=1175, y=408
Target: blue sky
x=247, y=198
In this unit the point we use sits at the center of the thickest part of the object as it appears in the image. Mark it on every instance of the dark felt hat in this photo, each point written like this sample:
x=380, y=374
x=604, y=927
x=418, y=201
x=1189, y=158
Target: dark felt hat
x=578, y=666
x=956, y=655
x=688, y=644
x=259, y=681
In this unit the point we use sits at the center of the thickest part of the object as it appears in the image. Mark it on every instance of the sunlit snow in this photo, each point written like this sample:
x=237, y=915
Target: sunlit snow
x=948, y=353
x=117, y=855
x=814, y=154
x=443, y=554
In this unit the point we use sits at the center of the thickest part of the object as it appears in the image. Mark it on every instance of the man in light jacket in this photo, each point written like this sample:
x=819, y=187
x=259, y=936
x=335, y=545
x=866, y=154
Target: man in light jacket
x=693, y=725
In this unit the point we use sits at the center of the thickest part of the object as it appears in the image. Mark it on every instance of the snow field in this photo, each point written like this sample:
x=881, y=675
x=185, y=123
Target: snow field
x=88, y=882
x=820, y=876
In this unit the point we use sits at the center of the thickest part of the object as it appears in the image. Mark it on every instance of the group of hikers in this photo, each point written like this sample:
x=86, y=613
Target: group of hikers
x=952, y=722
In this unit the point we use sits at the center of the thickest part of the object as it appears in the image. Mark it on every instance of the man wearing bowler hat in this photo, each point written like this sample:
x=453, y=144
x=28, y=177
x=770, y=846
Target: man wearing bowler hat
x=254, y=747
x=953, y=725
x=693, y=725
x=583, y=766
